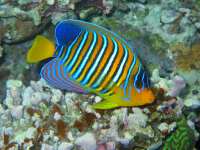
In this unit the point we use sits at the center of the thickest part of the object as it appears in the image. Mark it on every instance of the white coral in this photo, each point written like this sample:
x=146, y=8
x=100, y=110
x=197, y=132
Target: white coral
x=87, y=142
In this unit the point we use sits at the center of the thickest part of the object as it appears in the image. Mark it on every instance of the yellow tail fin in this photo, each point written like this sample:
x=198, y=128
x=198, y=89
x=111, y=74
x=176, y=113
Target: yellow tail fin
x=41, y=49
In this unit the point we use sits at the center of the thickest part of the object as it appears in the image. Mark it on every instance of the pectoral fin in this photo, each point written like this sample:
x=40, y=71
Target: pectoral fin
x=105, y=104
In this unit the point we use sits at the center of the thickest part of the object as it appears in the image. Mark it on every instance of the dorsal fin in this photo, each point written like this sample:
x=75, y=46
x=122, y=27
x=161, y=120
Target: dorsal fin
x=81, y=25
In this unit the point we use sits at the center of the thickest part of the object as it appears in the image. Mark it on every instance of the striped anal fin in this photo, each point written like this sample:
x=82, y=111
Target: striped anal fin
x=53, y=72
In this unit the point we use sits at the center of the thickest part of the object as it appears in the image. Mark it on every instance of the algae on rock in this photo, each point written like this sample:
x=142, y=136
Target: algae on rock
x=182, y=139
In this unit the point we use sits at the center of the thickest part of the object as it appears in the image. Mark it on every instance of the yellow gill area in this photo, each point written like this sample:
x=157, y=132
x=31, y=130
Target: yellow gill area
x=41, y=49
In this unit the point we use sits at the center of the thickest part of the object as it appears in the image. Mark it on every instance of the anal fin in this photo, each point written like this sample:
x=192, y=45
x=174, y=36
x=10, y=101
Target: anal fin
x=105, y=104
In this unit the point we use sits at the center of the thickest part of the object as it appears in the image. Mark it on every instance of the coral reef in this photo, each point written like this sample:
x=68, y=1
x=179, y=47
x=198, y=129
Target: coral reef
x=32, y=118
x=1, y=51
x=181, y=53
x=182, y=138
x=41, y=114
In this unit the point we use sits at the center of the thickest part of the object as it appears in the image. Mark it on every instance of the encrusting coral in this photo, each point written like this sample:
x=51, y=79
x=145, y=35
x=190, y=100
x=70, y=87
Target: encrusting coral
x=182, y=138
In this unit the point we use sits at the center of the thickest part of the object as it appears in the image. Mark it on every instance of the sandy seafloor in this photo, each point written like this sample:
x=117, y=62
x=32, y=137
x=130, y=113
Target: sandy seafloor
x=166, y=36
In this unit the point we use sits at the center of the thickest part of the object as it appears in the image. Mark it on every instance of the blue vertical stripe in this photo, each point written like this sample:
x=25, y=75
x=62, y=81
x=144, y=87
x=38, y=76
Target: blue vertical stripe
x=56, y=77
x=60, y=51
x=119, y=72
x=136, y=78
x=67, y=84
x=46, y=76
x=105, y=71
x=97, y=61
x=49, y=75
x=128, y=75
x=83, y=63
x=43, y=75
x=61, y=78
x=143, y=84
x=70, y=48
x=74, y=59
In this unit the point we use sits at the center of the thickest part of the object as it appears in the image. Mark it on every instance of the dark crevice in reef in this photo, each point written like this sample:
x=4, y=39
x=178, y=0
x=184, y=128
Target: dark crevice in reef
x=44, y=25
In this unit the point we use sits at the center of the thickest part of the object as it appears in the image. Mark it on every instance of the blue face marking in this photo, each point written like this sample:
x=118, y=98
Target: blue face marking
x=66, y=31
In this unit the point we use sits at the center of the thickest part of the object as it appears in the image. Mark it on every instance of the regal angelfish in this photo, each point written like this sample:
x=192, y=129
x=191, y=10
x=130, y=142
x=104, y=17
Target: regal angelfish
x=88, y=58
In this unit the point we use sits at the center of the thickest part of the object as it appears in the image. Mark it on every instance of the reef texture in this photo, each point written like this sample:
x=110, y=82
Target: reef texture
x=182, y=138
x=39, y=116
x=165, y=35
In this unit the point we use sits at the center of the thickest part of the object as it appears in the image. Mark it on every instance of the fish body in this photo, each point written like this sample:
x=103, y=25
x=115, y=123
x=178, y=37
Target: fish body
x=91, y=59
